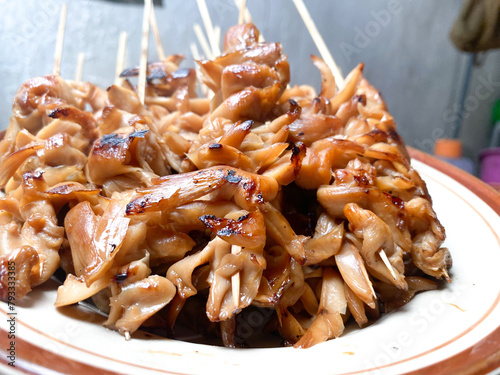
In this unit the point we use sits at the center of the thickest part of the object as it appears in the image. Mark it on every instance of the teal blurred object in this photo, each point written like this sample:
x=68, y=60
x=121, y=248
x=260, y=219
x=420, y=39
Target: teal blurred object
x=490, y=157
x=495, y=121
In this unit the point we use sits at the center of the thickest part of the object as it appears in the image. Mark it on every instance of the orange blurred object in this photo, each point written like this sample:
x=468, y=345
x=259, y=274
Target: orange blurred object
x=448, y=148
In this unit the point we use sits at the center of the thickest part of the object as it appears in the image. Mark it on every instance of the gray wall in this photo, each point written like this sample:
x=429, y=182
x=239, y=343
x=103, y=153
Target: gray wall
x=404, y=45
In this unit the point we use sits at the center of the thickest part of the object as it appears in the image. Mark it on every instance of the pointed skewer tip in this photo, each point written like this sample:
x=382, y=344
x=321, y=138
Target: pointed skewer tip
x=388, y=264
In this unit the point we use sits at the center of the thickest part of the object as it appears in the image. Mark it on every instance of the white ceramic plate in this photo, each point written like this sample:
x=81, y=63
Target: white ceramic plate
x=437, y=330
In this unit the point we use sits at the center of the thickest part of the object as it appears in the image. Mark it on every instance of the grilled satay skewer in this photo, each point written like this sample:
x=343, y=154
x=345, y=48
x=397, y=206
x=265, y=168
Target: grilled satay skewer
x=215, y=51
x=339, y=79
x=236, y=279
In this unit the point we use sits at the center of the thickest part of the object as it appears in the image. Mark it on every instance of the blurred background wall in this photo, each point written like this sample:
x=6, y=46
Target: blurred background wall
x=404, y=44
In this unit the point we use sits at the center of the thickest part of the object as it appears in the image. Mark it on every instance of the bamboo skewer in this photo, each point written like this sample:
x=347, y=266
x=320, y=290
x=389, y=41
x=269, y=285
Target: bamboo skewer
x=60, y=40
x=217, y=32
x=243, y=8
x=156, y=35
x=143, y=66
x=207, y=22
x=209, y=54
x=320, y=43
x=235, y=280
x=194, y=51
x=196, y=56
x=369, y=282
x=203, y=41
x=120, y=57
x=388, y=264
x=247, y=17
x=79, y=67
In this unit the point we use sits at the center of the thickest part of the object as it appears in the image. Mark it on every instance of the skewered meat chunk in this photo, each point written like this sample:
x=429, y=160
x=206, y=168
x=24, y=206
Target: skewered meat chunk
x=33, y=237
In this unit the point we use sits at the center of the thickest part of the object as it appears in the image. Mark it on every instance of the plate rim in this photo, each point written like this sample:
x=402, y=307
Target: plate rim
x=484, y=356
